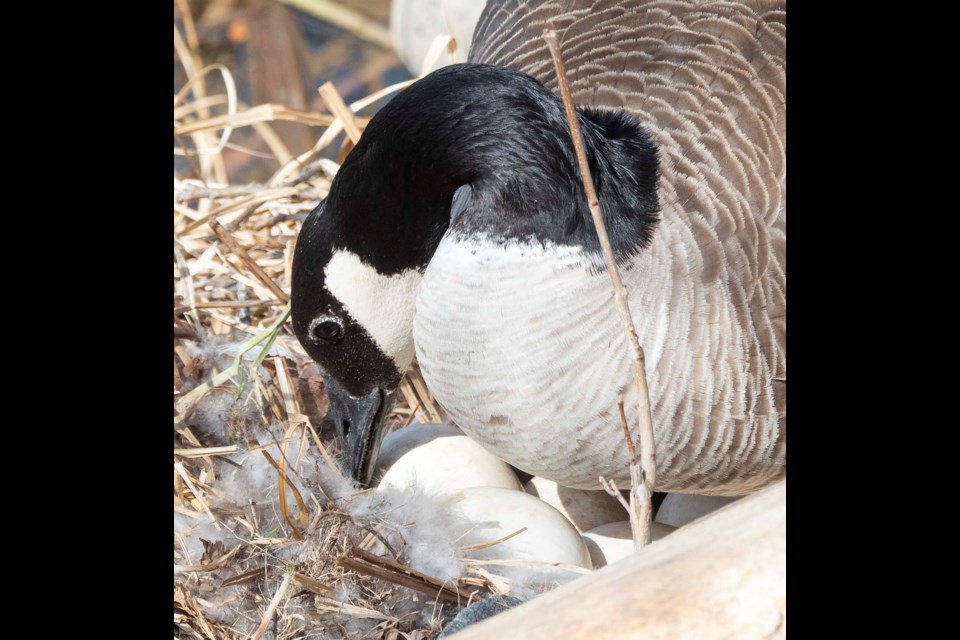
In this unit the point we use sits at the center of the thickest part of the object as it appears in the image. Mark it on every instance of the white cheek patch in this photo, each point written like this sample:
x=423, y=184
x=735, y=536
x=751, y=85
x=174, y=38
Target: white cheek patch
x=383, y=305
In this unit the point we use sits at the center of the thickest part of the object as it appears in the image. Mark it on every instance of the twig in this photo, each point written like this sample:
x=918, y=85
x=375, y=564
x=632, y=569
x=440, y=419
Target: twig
x=311, y=584
x=647, y=476
x=254, y=201
x=636, y=512
x=231, y=304
x=611, y=488
x=399, y=573
x=240, y=219
x=242, y=578
x=250, y=263
x=196, y=493
x=272, y=608
x=210, y=566
x=641, y=511
x=199, y=452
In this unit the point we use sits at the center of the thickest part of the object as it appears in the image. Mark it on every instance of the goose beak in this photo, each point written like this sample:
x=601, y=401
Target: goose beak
x=359, y=425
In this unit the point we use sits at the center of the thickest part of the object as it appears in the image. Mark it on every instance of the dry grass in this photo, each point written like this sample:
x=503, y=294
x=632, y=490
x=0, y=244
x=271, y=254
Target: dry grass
x=250, y=468
x=264, y=541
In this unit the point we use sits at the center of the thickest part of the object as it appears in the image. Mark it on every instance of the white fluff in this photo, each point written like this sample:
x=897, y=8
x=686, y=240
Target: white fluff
x=421, y=523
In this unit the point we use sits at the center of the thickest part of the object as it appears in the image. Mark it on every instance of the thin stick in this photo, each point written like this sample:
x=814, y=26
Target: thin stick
x=272, y=608
x=200, y=452
x=399, y=573
x=231, y=304
x=640, y=512
x=648, y=463
x=250, y=263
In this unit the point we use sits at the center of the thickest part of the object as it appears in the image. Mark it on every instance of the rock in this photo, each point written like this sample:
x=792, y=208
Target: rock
x=479, y=611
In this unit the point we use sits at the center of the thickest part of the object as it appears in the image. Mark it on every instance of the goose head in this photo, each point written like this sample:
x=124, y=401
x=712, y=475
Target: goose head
x=484, y=145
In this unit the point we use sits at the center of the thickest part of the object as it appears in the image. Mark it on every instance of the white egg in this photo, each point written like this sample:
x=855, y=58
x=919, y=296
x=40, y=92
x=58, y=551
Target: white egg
x=614, y=541
x=678, y=509
x=439, y=458
x=496, y=513
x=585, y=509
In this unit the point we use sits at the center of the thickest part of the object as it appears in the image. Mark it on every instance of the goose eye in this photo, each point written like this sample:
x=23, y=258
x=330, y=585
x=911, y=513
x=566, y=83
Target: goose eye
x=328, y=331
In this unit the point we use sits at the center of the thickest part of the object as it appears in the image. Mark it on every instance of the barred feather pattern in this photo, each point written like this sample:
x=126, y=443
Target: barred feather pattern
x=707, y=79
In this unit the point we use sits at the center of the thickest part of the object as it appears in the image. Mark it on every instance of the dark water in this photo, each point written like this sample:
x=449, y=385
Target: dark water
x=282, y=55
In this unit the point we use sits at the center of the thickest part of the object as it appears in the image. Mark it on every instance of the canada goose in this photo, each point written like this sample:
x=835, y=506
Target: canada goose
x=457, y=229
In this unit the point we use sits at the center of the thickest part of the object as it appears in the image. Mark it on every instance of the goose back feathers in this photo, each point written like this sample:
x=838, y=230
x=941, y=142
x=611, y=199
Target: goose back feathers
x=707, y=80
x=460, y=214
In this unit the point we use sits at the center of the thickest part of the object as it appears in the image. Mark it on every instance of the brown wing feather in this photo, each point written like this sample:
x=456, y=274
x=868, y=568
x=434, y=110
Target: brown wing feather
x=709, y=81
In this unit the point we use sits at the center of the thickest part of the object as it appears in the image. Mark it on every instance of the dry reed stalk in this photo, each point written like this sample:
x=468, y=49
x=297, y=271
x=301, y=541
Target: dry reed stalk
x=441, y=43
x=492, y=582
x=233, y=304
x=251, y=264
x=201, y=452
x=338, y=108
x=255, y=200
x=648, y=464
x=253, y=115
x=272, y=608
x=196, y=492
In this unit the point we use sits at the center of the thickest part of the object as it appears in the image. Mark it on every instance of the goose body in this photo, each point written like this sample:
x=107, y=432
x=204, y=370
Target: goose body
x=458, y=230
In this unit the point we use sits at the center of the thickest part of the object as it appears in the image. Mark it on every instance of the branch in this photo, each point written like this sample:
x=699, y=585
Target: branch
x=250, y=263
x=643, y=485
x=399, y=573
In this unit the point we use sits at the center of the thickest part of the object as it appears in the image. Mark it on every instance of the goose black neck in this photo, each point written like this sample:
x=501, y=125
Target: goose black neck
x=504, y=135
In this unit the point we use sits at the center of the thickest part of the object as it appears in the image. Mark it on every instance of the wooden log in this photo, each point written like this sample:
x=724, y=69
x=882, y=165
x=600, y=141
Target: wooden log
x=723, y=576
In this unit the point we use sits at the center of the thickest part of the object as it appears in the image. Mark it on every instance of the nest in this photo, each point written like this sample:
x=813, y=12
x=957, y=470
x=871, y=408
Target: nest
x=262, y=547
x=270, y=540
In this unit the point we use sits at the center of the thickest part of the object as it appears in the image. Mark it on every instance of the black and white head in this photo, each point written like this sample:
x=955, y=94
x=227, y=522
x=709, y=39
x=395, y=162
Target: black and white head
x=497, y=140
x=353, y=317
